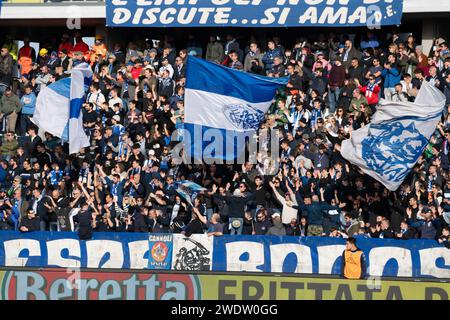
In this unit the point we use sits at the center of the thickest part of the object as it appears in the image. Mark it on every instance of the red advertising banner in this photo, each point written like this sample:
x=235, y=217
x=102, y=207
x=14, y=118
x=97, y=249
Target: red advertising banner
x=71, y=284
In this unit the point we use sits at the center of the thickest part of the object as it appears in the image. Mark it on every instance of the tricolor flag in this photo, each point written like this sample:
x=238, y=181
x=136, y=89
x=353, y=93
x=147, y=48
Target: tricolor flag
x=389, y=147
x=58, y=108
x=223, y=105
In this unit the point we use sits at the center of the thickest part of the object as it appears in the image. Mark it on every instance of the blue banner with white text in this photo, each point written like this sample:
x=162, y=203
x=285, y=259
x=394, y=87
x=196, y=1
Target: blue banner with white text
x=268, y=254
x=322, y=255
x=253, y=13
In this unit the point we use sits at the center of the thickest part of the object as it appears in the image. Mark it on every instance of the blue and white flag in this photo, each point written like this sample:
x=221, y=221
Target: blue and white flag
x=188, y=190
x=388, y=148
x=58, y=108
x=223, y=105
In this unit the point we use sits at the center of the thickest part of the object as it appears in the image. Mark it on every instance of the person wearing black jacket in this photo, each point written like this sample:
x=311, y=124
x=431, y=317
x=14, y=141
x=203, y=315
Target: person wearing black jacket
x=31, y=141
x=196, y=226
x=236, y=205
x=85, y=218
x=262, y=224
x=249, y=224
x=260, y=191
x=37, y=204
x=221, y=204
x=386, y=230
x=305, y=57
x=293, y=229
x=165, y=84
x=356, y=71
x=445, y=237
x=158, y=221
x=139, y=219
x=406, y=232
x=104, y=223
x=6, y=221
x=30, y=223
x=179, y=70
x=295, y=80
x=447, y=89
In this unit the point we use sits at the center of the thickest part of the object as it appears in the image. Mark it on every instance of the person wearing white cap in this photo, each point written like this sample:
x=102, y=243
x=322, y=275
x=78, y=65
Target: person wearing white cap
x=277, y=229
x=117, y=127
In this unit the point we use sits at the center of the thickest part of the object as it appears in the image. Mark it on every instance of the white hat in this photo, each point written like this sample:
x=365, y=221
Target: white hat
x=276, y=214
x=440, y=41
x=116, y=117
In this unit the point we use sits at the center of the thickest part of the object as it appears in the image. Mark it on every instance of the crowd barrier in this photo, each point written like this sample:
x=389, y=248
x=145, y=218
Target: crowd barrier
x=266, y=254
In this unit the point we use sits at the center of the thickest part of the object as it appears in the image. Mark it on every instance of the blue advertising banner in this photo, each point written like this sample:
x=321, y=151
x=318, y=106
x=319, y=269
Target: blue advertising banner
x=269, y=254
x=385, y=257
x=253, y=13
x=160, y=249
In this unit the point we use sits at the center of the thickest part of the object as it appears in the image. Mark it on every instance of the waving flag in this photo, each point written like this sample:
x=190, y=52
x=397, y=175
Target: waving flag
x=223, y=102
x=389, y=147
x=188, y=190
x=58, y=108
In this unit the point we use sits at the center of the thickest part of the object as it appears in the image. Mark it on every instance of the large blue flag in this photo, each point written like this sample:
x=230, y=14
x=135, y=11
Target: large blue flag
x=58, y=108
x=222, y=106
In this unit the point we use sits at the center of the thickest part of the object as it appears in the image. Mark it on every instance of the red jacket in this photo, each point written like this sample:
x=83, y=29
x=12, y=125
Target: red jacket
x=65, y=45
x=81, y=46
x=371, y=96
x=136, y=72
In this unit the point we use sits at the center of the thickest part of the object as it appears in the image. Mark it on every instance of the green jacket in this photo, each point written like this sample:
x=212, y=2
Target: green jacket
x=10, y=104
x=357, y=103
x=8, y=148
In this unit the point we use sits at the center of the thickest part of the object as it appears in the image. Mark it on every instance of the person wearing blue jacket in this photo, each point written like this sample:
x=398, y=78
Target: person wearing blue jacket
x=428, y=227
x=315, y=212
x=270, y=55
x=28, y=101
x=115, y=185
x=391, y=75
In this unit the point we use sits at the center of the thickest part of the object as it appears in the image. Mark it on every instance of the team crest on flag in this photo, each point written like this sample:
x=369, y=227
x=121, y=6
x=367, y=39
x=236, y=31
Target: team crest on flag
x=389, y=147
x=392, y=147
x=223, y=108
x=243, y=116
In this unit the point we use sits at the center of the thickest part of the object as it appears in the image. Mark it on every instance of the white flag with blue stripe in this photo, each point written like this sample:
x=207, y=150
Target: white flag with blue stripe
x=226, y=102
x=58, y=108
x=388, y=148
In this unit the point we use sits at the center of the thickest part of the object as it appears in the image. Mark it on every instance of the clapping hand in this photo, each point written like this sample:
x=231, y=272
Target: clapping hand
x=409, y=212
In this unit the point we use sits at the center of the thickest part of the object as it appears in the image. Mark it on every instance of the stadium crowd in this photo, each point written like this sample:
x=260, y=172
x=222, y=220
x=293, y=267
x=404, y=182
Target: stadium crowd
x=127, y=180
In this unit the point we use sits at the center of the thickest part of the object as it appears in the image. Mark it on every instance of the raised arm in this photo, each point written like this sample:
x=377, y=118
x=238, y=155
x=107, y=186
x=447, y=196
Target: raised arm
x=277, y=194
x=201, y=217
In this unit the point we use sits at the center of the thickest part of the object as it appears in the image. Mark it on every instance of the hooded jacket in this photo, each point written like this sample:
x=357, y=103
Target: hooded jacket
x=277, y=229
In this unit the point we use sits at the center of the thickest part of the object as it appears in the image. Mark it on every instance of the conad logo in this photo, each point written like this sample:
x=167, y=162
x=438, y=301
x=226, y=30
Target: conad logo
x=58, y=285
